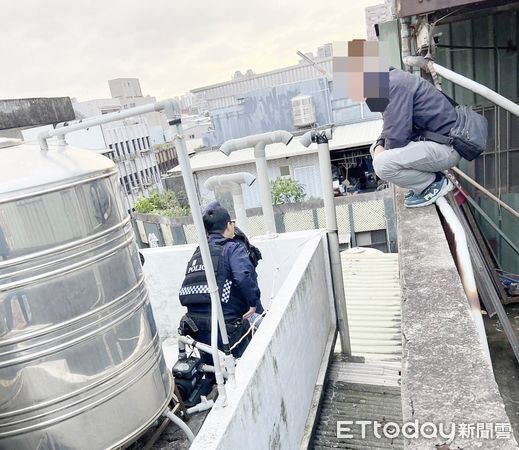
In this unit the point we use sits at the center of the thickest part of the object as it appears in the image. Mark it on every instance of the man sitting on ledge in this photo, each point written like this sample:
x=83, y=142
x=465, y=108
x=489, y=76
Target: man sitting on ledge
x=400, y=155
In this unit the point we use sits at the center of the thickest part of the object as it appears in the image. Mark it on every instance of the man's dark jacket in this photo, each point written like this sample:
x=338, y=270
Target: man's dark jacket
x=414, y=103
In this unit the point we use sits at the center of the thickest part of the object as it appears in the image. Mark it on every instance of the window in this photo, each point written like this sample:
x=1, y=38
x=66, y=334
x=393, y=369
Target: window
x=284, y=171
x=375, y=239
x=127, y=185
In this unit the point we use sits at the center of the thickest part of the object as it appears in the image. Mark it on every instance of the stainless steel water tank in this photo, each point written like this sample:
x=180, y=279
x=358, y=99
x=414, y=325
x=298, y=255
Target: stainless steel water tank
x=81, y=365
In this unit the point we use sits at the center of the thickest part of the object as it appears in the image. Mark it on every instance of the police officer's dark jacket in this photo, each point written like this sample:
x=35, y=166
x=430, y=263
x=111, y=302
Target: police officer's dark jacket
x=235, y=276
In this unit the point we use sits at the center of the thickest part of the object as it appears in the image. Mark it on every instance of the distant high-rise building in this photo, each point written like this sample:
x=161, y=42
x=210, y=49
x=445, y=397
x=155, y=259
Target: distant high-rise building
x=377, y=14
x=125, y=87
x=326, y=51
x=129, y=93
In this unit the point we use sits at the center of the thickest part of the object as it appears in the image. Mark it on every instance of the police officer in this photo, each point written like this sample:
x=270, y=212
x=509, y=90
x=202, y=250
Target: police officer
x=236, y=279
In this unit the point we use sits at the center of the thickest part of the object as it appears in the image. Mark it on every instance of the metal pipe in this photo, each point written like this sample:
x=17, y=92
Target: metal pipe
x=490, y=221
x=486, y=192
x=477, y=88
x=216, y=306
x=467, y=83
x=258, y=142
x=322, y=138
x=465, y=269
x=181, y=424
x=320, y=69
x=98, y=120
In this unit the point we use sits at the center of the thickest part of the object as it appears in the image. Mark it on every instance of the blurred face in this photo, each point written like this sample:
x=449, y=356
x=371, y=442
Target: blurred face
x=229, y=231
x=360, y=72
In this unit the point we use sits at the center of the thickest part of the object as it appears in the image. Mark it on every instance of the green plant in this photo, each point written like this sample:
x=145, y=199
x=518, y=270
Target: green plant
x=287, y=190
x=161, y=203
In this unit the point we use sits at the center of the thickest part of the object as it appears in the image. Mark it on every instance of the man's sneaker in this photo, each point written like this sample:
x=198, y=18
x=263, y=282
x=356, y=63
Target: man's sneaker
x=430, y=194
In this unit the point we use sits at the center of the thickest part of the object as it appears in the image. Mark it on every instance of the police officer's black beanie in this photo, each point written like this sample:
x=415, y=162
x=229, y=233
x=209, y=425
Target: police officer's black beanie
x=216, y=219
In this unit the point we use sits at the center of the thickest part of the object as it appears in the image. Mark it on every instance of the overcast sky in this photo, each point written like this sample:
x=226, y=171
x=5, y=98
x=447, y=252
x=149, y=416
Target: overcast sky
x=71, y=48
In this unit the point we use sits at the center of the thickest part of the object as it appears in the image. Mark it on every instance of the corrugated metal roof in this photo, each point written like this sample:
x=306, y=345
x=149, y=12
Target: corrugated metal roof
x=372, y=290
x=358, y=402
x=345, y=136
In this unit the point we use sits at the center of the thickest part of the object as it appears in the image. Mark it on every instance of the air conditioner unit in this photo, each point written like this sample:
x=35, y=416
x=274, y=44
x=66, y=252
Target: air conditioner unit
x=303, y=111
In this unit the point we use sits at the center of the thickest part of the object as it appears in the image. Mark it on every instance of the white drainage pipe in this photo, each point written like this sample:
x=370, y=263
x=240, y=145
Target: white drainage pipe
x=233, y=182
x=181, y=424
x=258, y=142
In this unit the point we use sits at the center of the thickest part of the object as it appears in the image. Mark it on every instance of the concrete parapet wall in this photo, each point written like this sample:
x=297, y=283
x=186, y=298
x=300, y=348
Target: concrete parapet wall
x=277, y=374
x=446, y=377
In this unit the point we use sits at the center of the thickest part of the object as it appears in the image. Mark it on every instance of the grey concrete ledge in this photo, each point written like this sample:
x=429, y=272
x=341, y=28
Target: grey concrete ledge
x=446, y=378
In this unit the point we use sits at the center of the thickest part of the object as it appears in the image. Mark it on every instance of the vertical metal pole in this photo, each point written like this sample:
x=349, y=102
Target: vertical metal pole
x=239, y=209
x=333, y=240
x=216, y=307
x=264, y=187
x=353, y=237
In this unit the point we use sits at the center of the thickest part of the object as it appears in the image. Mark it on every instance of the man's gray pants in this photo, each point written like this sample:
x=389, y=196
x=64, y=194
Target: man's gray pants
x=414, y=166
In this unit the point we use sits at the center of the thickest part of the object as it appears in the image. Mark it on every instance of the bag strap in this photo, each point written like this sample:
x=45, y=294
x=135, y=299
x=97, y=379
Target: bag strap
x=435, y=137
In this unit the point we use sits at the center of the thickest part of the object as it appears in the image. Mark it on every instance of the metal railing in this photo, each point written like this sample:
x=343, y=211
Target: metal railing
x=477, y=88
